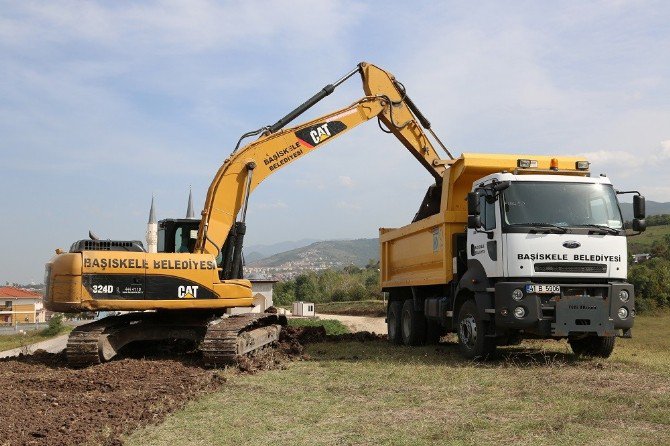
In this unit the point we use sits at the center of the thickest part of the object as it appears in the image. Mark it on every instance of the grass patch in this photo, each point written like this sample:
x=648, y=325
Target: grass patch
x=375, y=393
x=11, y=341
x=332, y=327
x=353, y=308
x=642, y=243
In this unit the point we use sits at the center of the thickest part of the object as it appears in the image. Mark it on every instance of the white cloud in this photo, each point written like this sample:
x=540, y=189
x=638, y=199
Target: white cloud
x=665, y=148
x=617, y=158
x=348, y=206
x=180, y=25
x=268, y=206
x=346, y=181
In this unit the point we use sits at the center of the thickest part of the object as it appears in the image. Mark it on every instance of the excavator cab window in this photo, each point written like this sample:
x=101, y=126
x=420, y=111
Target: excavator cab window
x=177, y=235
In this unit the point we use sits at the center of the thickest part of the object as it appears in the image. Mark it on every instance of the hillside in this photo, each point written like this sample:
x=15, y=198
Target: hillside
x=326, y=254
x=653, y=208
x=642, y=243
x=258, y=252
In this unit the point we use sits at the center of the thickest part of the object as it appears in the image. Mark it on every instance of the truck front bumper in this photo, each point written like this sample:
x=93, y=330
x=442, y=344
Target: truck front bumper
x=577, y=309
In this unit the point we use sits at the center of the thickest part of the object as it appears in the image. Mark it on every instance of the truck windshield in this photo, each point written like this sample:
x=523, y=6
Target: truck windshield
x=561, y=204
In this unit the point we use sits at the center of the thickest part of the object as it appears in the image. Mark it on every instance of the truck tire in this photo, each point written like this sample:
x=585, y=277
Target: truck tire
x=472, y=342
x=413, y=325
x=593, y=346
x=393, y=318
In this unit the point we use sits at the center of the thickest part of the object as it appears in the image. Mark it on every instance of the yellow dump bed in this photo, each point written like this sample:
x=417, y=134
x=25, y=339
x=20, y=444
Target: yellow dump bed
x=420, y=253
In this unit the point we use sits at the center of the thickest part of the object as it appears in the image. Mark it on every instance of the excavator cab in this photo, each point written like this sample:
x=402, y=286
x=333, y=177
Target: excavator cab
x=177, y=234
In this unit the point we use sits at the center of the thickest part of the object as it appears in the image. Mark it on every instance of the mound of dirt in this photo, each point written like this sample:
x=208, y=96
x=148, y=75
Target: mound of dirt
x=45, y=403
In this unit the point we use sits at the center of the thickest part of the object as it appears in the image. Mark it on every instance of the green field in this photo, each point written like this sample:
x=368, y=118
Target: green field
x=374, y=393
x=642, y=243
x=332, y=327
x=11, y=341
x=353, y=308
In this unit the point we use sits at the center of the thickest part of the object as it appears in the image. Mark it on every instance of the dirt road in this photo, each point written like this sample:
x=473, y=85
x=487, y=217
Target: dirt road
x=54, y=345
x=359, y=323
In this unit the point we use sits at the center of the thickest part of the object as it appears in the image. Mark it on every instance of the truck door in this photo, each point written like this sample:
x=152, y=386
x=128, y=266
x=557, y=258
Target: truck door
x=485, y=243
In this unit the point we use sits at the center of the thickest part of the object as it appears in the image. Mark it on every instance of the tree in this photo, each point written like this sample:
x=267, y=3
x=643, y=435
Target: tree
x=284, y=292
x=652, y=284
x=306, y=288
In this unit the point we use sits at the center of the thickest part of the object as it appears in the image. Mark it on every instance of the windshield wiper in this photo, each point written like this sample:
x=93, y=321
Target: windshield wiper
x=544, y=226
x=607, y=229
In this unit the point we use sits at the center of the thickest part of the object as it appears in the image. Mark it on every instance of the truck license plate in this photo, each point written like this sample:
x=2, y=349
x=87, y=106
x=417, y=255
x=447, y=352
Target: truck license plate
x=543, y=289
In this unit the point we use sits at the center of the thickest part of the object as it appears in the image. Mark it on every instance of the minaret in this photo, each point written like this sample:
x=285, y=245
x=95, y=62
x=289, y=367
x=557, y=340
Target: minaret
x=189, y=208
x=152, y=229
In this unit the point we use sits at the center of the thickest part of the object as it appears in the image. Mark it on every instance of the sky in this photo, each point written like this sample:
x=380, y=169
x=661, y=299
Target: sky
x=104, y=104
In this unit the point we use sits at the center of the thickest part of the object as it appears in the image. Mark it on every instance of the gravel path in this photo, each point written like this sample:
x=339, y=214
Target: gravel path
x=359, y=323
x=54, y=345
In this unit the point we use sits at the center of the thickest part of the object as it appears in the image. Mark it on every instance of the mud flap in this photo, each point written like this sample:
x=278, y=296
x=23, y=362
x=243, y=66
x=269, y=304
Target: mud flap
x=583, y=314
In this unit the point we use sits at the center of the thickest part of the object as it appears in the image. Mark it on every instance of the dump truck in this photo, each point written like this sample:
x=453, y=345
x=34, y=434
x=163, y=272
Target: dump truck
x=507, y=247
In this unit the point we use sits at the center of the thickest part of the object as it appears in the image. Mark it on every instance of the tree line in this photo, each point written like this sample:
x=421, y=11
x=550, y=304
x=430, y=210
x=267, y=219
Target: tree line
x=652, y=277
x=330, y=285
x=651, y=220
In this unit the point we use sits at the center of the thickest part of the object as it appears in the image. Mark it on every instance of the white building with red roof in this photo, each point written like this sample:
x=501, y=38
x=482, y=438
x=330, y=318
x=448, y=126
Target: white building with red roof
x=18, y=306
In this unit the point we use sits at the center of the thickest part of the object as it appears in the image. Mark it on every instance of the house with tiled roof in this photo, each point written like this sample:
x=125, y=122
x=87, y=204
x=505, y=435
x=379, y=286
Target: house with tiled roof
x=18, y=306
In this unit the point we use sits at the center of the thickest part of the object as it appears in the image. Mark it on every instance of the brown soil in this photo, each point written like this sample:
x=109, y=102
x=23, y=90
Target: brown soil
x=45, y=403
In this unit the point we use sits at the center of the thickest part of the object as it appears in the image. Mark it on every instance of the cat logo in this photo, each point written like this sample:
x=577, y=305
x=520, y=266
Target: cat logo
x=313, y=135
x=187, y=292
x=320, y=133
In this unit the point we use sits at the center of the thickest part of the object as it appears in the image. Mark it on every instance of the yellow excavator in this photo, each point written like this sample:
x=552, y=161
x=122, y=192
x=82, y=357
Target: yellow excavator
x=175, y=295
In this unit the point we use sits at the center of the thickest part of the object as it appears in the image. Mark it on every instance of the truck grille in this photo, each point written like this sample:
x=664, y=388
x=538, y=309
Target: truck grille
x=587, y=268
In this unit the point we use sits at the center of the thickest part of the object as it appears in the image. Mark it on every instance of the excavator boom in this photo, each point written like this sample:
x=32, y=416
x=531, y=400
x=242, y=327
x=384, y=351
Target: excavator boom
x=385, y=99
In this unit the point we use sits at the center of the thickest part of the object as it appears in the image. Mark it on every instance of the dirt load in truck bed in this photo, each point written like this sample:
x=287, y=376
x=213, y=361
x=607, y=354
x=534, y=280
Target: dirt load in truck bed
x=45, y=403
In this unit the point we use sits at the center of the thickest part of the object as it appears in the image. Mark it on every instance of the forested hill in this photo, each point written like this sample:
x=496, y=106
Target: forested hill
x=327, y=253
x=653, y=208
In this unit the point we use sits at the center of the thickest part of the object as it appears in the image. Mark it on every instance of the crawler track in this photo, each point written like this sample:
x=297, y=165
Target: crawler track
x=83, y=345
x=228, y=338
x=222, y=339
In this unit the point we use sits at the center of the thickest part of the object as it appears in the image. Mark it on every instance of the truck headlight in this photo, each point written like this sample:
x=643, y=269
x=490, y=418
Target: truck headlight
x=624, y=296
x=623, y=313
x=519, y=312
x=517, y=294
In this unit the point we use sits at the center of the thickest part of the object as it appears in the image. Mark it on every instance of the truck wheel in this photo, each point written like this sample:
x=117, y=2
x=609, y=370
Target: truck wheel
x=472, y=341
x=393, y=317
x=413, y=325
x=593, y=346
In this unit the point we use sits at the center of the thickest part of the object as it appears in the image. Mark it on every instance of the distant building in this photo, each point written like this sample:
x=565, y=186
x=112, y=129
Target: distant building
x=261, y=289
x=303, y=309
x=19, y=306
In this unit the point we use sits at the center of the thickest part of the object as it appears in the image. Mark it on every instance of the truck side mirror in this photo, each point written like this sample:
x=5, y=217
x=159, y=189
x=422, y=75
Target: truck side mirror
x=639, y=224
x=474, y=222
x=501, y=185
x=473, y=204
x=639, y=206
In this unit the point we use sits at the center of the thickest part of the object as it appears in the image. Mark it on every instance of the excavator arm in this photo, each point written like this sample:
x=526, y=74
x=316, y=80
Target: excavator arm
x=248, y=166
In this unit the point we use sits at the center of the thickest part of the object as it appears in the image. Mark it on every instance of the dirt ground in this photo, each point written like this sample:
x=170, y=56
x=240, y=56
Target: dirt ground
x=359, y=323
x=45, y=403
